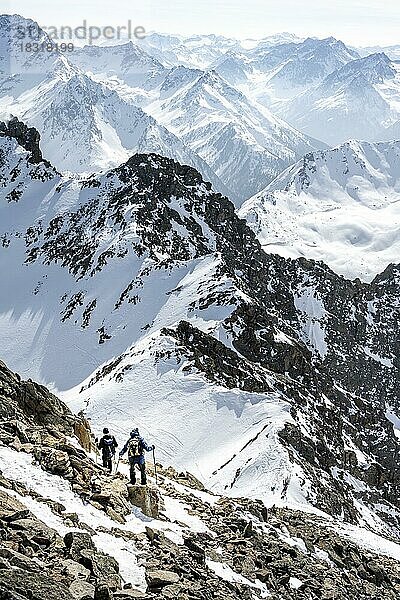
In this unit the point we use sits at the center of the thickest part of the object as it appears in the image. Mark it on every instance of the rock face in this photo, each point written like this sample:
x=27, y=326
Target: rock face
x=31, y=403
x=147, y=498
x=27, y=137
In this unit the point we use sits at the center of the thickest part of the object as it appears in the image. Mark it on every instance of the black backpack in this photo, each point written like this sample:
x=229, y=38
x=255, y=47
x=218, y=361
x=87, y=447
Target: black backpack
x=134, y=447
x=108, y=446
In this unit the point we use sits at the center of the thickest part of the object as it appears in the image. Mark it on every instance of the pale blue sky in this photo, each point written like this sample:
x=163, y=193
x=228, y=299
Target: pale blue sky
x=357, y=22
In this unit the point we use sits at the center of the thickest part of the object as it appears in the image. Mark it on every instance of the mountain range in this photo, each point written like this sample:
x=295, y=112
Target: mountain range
x=339, y=206
x=359, y=101
x=89, y=106
x=181, y=251
x=325, y=89
x=141, y=293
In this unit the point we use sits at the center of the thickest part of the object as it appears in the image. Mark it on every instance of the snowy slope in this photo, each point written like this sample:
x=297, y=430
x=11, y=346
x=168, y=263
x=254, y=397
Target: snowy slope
x=235, y=68
x=243, y=143
x=143, y=298
x=202, y=426
x=125, y=61
x=87, y=127
x=340, y=206
x=357, y=101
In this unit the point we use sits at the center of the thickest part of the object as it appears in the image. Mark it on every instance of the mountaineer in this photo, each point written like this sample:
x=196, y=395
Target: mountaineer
x=107, y=445
x=135, y=447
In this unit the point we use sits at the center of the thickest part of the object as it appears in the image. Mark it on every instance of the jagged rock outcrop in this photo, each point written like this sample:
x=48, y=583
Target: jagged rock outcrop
x=27, y=137
x=31, y=404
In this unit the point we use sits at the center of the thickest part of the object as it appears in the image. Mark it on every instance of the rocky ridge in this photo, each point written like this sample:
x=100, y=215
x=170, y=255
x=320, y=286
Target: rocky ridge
x=246, y=324
x=224, y=548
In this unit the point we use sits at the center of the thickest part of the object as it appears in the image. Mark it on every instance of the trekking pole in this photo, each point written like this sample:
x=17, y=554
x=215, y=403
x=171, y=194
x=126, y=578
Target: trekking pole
x=116, y=465
x=96, y=449
x=155, y=466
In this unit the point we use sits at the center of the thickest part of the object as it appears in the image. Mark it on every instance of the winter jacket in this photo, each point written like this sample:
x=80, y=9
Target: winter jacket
x=107, y=445
x=142, y=447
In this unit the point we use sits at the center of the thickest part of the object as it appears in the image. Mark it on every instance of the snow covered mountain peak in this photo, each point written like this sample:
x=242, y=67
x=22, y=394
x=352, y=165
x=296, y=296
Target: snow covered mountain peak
x=193, y=116
x=242, y=142
x=323, y=56
x=22, y=70
x=338, y=205
x=129, y=62
x=177, y=78
x=375, y=68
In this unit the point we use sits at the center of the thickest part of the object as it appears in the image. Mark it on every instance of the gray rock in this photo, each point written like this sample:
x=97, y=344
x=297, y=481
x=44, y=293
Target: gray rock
x=103, y=592
x=159, y=579
x=35, y=586
x=75, y=570
x=16, y=559
x=82, y=590
x=103, y=567
x=76, y=542
x=145, y=497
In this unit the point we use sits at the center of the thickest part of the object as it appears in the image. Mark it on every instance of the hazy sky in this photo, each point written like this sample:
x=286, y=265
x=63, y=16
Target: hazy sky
x=357, y=22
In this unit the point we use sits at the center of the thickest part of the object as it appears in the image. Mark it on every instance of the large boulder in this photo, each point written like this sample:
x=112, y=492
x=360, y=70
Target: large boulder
x=159, y=579
x=76, y=542
x=147, y=498
x=104, y=568
x=17, y=585
x=82, y=590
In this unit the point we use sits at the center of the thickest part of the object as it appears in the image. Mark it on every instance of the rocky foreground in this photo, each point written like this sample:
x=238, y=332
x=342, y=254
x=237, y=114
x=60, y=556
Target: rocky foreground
x=194, y=545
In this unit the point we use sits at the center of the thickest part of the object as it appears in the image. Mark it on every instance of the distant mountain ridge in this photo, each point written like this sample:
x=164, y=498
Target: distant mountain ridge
x=360, y=100
x=97, y=106
x=339, y=206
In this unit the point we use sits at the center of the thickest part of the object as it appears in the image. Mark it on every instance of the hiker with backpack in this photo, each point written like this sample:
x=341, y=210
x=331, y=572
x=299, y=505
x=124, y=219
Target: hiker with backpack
x=107, y=445
x=135, y=447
